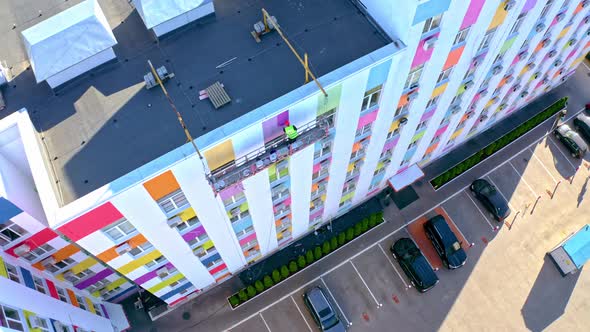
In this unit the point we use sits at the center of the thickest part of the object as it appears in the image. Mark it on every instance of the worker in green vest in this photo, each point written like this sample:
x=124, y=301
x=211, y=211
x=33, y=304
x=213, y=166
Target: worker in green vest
x=291, y=132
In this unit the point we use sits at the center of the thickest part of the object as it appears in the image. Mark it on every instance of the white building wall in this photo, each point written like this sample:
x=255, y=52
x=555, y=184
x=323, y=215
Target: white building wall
x=301, y=173
x=147, y=217
x=258, y=194
x=387, y=15
x=210, y=211
x=80, y=68
x=346, y=122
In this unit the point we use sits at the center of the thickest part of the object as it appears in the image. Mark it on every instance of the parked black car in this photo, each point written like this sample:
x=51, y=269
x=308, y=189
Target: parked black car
x=414, y=264
x=489, y=196
x=322, y=311
x=445, y=242
x=582, y=125
x=572, y=140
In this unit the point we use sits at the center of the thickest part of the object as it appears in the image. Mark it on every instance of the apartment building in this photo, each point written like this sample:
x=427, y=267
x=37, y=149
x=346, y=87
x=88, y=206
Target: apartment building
x=399, y=84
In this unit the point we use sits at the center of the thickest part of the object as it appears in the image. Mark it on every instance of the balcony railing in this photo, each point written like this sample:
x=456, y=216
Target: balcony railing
x=272, y=153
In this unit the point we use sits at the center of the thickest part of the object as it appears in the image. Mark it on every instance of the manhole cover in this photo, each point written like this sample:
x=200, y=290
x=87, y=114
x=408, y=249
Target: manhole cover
x=186, y=315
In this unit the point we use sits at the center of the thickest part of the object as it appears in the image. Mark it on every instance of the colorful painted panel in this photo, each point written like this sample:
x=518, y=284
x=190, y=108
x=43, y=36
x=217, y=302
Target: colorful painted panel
x=161, y=185
x=530, y=4
x=332, y=101
x=220, y=155
x=423, y=54
x=429, y=9
x=8, y=210
x=499, y=17
x=367, y=119
x=51, y=288
x=94, y=279
x=454, y=57
x=439, y=90
x=35, y=240
x=91, y=222
x=507, y=44
x=152, y=274
x=3, y=272
x=472, y=14
x=273, y=128
x=378, y=75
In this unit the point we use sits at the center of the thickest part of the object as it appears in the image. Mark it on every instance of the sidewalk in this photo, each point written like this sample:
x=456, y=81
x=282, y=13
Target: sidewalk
x=210, y=311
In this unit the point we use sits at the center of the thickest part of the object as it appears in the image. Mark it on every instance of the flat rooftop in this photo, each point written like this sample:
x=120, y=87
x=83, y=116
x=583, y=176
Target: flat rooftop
x=105, y=124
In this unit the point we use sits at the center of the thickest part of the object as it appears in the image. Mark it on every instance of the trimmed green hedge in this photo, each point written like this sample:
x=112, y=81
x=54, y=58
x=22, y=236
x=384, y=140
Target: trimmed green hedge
x=494, y=147
x=311, y=255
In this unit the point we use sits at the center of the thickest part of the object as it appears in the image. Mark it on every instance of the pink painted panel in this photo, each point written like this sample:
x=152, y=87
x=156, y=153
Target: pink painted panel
x=472, y=13
x=367, y=118
x=476, y=98
x=572, y=53
x=554, y=22
x=248, y=238
x=516, y=58
x=539, y=84
x=529, y=5
x=287, y=202
x=423, y=55
x=390, y=144
x=316, y=167
x=316, y=214
x=273, y=128
x=427, y=115
x=231, y=191
x=440, y=131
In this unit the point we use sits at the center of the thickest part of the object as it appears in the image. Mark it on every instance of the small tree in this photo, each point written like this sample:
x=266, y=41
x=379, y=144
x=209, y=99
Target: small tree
x=285, y=271
x=234, y=300
x=259, y=286
x=251, y=291
x=268, y=283
x=357, y=229
x=372, y=221
x=364, y=225
x=276, y=276
x=301, y=262
x=317, y=253
x=341, y=238
x=349, y=234
x=242, y=295
x=326, y=248
x=334, y=243
x=309, y=257
x=293, y=267
x=379, y=217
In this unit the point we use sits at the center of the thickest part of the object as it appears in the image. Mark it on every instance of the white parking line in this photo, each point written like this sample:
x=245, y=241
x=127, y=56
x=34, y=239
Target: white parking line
x=349, y=323
x=524, y=181
x=393, y=265
x=500, y=191
x=264, y=321
x=301, y=313
x=585, y=65
x=478, y=209
x=549, y=138
x=543, y=165
x=364, y=283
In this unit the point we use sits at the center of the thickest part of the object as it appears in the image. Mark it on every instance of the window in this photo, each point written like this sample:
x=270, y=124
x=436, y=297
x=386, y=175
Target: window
x=10, y=318
x=97, y=308
x=435, y=139
x=546, y=8
x=187, y=224
x=444, y=75
x=461, y=36
x=414, y=77
x=330, y=117
x=61, y=293
x=371, y=98
x=348, y=187
x=380, y=170
x=54, y=267
x=450, y=142
x=413, y=144
x=422, y=124
x=155, y=262
x=199, y=239
x=325, y=148
x=245, y=231
x=38, y=252
x=9, y=232
x=237, y=214
x=12, y=272
x=39, y=284
x=172, y=202
x=120, y=229
x=518, y=23
x=201, y=251
x=365, y=129
x=345, y=202
x=485, y=43
x=233, y=199
x=432, y=23
x=141, y=248
x=282, y=169
x=81, y=302
x=432, y=102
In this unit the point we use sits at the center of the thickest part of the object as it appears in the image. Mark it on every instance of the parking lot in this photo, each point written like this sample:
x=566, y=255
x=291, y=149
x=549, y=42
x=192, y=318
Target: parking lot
x=507, y=282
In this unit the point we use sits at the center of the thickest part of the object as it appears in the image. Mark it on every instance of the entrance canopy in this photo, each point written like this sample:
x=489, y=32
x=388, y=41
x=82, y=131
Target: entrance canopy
x=578, y=246
x=406, y=177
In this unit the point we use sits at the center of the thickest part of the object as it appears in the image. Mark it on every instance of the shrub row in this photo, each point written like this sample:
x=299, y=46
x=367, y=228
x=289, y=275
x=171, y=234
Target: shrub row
x=492, y=148
x=310, y=256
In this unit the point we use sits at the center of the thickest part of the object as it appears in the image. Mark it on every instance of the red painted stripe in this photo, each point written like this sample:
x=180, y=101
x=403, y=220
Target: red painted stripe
x=38, y=239
x=52, y=290
x=176, y=302
x=218, y=268
x=91, y=222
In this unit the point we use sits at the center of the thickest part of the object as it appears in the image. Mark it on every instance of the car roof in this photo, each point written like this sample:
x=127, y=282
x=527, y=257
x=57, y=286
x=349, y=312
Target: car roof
x=442, y=227
x=318, y=299
x=584, y=118
x=574, y=136
x=424, y=270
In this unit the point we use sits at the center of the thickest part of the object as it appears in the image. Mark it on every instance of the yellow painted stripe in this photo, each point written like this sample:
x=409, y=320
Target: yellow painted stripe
x=116, y=283
x=139, y=262
x=96, y=294
x=439, y=90
x=28, y=315
x=457, y=133
x=89, y=305
x=60, y=277
x=188, y=214
x=350, y=167
x=208, y=245
x=564, y=32
x=165, y=283
x=3, y=271
x=88, y=262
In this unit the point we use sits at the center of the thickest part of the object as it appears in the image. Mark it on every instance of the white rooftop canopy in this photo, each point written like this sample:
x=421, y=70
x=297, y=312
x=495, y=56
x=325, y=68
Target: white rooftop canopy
x=156, y=12
x=67, y=38
x=406, y=177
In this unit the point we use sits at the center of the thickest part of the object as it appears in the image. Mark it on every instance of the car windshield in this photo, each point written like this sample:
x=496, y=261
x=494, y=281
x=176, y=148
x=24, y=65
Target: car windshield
x=488, y=190
x=325, y=312
x=330, y=322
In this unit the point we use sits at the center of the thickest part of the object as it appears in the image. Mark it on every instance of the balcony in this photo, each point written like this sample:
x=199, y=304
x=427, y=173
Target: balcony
x=272, y=153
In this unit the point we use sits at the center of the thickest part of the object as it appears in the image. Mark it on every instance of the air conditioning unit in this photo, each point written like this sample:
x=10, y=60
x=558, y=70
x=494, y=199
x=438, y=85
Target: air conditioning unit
x=524, y=94
x=163, y=272
x=468, y=85
x=174, y=221
x=429, y=43
x=559, y=17
x=540, y=27
x=557, y=63
x=455, y=109
x=516, y=88
x=496, y=70
x=414, y=87
x=123, y=248
x=469, y=115
x=545, y=42
x=37, y=322
x=509, y=79
x=523, y=55
x=509, y=5
x=48, y=261
x=219, y=185
x=531, y=65
x=572, y=41
x=552, y=53
x=22, y=250
x=402, y=122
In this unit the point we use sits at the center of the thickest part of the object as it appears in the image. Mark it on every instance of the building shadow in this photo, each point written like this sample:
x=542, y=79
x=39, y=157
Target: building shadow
x=548, y=298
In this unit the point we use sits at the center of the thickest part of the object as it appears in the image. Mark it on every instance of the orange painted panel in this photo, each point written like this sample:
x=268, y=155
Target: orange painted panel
x=431, y=148
x=403, y=101
x=453, y=57
x=111, y=253
x=65, y=252
x=161, y=185
x=38, y=266
x=314, y=186
x=72, y=298
x=356, y=146
x=539, y=47
x=502, y=82
x=578, y=9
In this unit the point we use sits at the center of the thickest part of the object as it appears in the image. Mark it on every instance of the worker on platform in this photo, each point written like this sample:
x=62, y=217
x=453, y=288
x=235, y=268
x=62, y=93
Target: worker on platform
x=291, y=132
